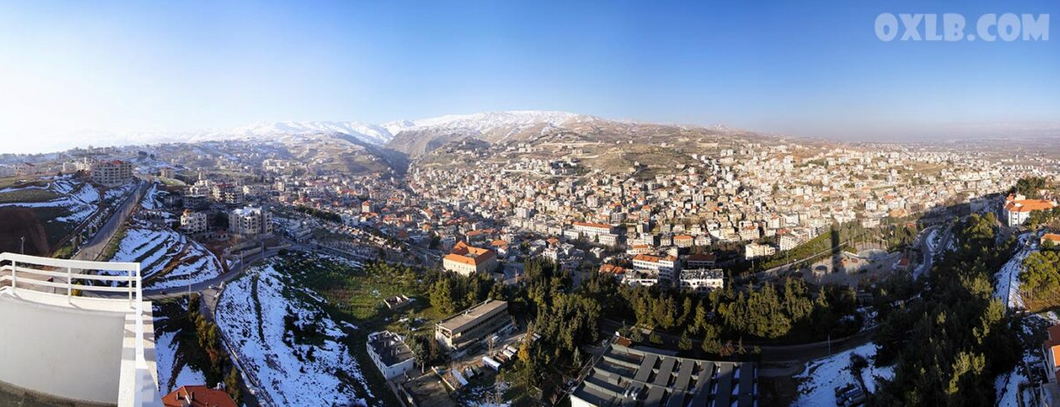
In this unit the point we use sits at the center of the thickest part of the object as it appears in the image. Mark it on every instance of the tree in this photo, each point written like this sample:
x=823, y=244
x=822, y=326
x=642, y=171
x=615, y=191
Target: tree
x=232, y=385
x=685, y=343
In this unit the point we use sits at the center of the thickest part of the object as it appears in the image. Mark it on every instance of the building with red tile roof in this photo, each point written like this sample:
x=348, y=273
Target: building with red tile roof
x=465, y=260
x=197, y=396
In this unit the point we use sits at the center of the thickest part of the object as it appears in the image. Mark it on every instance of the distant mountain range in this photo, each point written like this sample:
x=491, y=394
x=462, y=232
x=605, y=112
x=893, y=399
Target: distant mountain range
x=411, y=136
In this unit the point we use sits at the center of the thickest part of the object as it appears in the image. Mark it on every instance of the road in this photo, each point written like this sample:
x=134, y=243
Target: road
x=96, y=245
x=204, y=287
x=928, y=248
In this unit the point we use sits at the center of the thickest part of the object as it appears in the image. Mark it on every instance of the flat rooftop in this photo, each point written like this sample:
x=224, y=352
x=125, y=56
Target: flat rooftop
x=454, y=323
x=631, y=376
x=390, y=348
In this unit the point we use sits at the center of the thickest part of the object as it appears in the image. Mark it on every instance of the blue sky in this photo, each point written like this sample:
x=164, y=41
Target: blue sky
x=810, y=68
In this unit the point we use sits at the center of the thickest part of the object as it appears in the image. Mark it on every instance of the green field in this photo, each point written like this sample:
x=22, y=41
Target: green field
x=27, y=195
x=355, y=295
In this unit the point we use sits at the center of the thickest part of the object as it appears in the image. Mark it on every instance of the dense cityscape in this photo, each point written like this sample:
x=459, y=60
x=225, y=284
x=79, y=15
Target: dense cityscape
x=529, y=204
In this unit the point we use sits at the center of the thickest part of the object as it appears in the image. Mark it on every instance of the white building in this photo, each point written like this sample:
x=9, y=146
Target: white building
x=111, y=173
x=1017, y=209
x=787, y=242
x=389, y=353
x=702, y=280
x=250, y=221
x=193, y=222
x=755, y=250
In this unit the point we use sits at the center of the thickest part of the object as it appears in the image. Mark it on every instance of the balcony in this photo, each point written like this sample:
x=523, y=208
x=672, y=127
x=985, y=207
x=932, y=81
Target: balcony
x=76, y=332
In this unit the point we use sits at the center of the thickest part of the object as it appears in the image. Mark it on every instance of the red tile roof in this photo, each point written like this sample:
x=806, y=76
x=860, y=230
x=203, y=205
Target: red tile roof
x=199, y=396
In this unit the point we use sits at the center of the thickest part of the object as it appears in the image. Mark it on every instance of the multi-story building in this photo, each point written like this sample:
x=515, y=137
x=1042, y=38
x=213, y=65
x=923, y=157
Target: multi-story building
x=228, y=194
x=467, y=260
x=111, y=173
x=700, y=261
x=787, y=242
x=389, y=353
x=1017, y=209
x=250, y=221
x=473, y=325
x=756, y=250
x=702, y=280
x=193, y=222
x=591, y=230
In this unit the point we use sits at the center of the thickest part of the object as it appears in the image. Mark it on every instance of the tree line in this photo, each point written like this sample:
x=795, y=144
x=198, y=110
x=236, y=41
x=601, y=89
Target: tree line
x=949, y=339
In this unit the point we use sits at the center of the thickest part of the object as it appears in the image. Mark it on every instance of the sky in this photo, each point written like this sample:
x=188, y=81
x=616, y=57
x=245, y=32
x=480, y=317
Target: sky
x=804, y=68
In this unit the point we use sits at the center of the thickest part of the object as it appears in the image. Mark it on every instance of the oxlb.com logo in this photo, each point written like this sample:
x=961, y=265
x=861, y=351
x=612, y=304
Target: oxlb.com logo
x=954, y=27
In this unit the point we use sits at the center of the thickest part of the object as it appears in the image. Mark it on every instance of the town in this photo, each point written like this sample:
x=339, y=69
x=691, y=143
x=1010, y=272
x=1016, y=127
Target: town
x=528, y=272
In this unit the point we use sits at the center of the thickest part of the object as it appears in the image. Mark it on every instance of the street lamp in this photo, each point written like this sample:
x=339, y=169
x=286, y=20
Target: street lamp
x=22, y=245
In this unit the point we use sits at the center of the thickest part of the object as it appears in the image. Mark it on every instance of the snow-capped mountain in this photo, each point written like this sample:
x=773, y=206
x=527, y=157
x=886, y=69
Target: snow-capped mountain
x=491, y=121
x=366, y=132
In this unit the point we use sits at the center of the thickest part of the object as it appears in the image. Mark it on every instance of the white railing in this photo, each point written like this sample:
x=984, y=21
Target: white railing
x=20, y=273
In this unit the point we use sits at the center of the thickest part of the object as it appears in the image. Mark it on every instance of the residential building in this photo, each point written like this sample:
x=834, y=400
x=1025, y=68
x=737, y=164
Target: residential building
x=111, y=173
x=702, y=280
x=684, y=241
x=192, y=222
x=472, y=325
x=389, y=353
x=591, y=230
x=756, y=250
x=1051, y=237
x=1017, y=209
x=250, y=221
x=228, y=194
x=787, y=242
x=467, y=260
x=634, y=375
x=700, y=261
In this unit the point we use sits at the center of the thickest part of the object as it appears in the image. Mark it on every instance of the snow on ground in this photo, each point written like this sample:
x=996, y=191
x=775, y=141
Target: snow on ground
x=270, y=355
x=168, y=258
x=166, y=357
x=1007, y=384
x=822, y=376
x=151, y=198
x=120, y=191
x=1008, y=283
x=79, y=198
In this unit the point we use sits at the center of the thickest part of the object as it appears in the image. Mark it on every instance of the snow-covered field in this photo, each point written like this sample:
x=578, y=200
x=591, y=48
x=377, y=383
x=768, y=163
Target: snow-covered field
x=1007, y=385
x=1008, y=282
x=822, y=376
x=79, y=198
x=253, y=322
x=151, y=198
x=166, y=357
x=168, y=257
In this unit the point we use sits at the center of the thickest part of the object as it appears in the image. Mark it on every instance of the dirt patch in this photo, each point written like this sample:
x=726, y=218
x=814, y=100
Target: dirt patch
x=18, y=222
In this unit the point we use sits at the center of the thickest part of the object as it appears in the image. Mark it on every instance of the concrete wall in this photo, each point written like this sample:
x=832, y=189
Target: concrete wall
x=64, y=352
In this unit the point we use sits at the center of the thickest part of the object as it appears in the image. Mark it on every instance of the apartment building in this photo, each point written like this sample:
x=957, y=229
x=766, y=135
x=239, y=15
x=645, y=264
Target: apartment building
x=193, y=222
x=111, y=173
x=250, y=221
